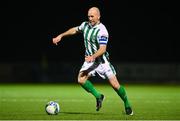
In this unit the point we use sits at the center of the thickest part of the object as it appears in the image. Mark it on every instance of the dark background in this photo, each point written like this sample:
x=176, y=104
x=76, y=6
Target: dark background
x=140, y=31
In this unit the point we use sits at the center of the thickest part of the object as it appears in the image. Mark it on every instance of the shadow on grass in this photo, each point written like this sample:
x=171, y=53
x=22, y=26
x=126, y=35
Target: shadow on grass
x=82, y=113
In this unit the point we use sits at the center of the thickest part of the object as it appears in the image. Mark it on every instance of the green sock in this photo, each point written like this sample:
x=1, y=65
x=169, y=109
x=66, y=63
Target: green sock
x=88, y=86
x=122, y=93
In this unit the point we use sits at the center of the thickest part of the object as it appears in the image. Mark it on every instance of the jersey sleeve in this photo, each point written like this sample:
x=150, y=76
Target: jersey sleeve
x=103, y=36
x=81, y=27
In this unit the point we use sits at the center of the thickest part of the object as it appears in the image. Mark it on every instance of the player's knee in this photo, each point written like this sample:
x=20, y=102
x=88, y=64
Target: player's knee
x=81, y=79
x=116, y=86
x=114, y=82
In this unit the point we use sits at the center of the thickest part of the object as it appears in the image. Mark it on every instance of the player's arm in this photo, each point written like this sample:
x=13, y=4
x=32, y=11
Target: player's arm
x=99, y=52
x=69, y=32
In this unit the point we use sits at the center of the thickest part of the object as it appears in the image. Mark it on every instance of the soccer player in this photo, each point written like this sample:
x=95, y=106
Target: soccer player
x=96, y=58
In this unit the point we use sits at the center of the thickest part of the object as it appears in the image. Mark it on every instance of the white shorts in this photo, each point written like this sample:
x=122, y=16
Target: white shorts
x=104, y=70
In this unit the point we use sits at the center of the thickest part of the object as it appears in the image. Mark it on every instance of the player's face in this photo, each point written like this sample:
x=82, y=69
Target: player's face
x=93, y=17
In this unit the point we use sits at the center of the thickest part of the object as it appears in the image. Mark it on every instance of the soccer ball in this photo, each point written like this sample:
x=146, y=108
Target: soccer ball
x=52, y=108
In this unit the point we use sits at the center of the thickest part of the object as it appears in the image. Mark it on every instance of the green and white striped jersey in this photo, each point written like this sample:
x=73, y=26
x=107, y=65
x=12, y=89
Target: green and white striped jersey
x=93, y=38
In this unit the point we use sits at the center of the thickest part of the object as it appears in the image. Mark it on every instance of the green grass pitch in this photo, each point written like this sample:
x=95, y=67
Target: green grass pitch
x=27, y=102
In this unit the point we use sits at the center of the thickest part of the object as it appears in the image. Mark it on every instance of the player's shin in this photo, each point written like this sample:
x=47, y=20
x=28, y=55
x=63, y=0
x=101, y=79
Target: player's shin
x=122, y=93
x=88, y=86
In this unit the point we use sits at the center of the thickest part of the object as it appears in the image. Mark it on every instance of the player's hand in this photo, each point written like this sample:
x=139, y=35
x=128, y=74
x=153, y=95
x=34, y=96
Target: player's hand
x=57, y=39
x=89, y=58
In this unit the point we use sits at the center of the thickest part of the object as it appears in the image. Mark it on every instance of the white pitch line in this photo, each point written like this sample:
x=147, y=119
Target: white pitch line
x=89, y=120
x=41, y=100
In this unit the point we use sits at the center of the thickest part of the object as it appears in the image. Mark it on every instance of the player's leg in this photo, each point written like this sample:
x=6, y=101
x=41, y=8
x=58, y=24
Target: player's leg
x=88, y=86
x=110, y=73
x=122, y=93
